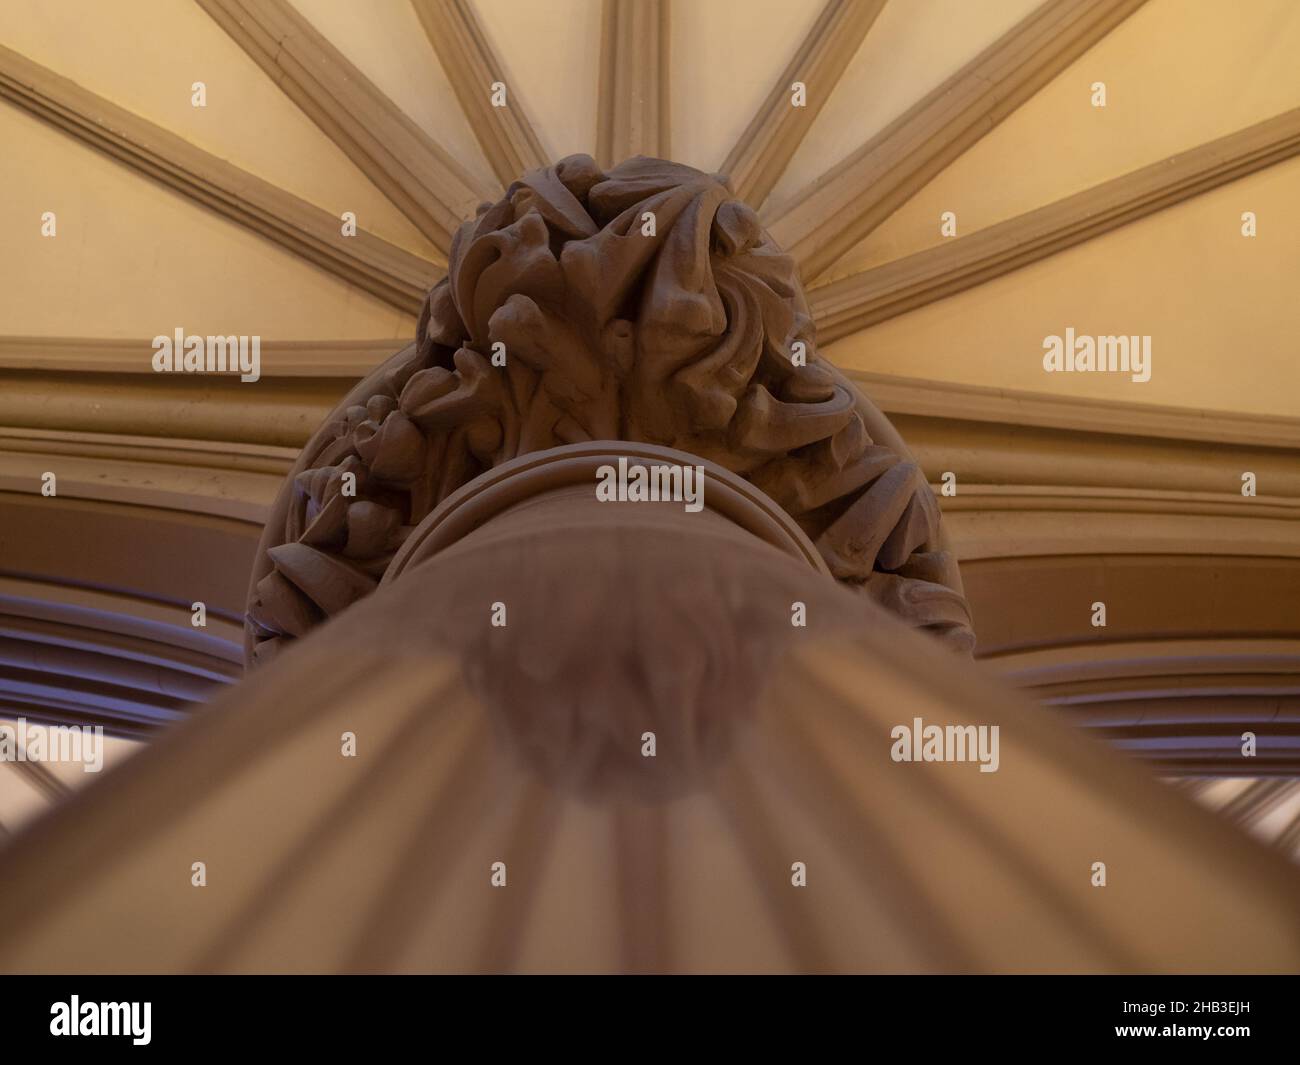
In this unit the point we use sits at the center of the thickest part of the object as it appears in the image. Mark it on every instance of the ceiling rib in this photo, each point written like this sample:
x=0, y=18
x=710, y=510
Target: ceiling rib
x=861, y=300
x=1254, y=816
x=827, y=217
x=41, y=777
x=634, y=81
x=768, y=144
x=425, y=183
x=36, y=653
x=1258, y=797
x=1289, y=839
x=394, y=275
x=462, y=46
x=125, y=624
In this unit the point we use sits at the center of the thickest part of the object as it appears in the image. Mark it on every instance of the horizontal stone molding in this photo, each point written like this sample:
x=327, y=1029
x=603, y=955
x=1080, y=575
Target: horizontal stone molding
x=76, y=655
x=342, y=359
x=949, y=400
x=1036, y=603
x=236, y=481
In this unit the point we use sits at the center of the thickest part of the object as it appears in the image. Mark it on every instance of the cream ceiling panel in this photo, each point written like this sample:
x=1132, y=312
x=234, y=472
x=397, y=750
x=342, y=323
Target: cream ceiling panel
x=385, y=41
x=913, y=47
x=1220, y=309
x=1178, y=73
x=726, y=55
x=132, y=259
x=20, y=799
x=146, y=55
x=113, y=749
x=551, y=53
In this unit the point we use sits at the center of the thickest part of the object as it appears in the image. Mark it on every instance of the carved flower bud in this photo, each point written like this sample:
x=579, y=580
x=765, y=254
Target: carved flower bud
x=311, y=483
x=336, y=452
x=426, y=386
x=444, y=326
x=808, y=384
x=396, y=377
x=378, y=407
x=736, y=227
x=363, y=439
x=399, y=456
x=325, y=528
x=266, y=650
x=335, y=475
x=371, y=528
x=483, y=439
x=278, y=606
x=578, y=173
x=619, y=343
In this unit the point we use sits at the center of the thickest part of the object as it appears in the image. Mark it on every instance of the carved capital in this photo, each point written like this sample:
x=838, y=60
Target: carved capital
x=642, y=304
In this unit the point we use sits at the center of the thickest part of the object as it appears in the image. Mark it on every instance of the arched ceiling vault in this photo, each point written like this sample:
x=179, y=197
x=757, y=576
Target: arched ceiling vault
x=225, y=219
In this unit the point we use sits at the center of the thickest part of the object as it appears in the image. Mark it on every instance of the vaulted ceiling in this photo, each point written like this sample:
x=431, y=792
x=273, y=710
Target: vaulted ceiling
x=1072, y=488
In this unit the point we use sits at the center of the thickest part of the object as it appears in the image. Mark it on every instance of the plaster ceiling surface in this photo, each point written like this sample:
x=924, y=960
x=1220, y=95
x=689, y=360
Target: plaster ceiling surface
x=145, y=55
x=1178, y=73
x=29, y=788
x=552, y=52
x=1219, y=310
x=134, y=261
x=386, y=43
x=721, y=77
x=909, y=51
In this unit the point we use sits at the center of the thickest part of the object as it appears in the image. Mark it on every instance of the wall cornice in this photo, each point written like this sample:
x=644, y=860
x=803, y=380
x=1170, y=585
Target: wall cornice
x=952, y=401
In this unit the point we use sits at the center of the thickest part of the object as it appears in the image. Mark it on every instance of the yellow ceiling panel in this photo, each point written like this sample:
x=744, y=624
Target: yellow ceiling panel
x=551, y=54
x=133, y=259
x=911, y=48
x=385, y=41
x=147, y=55
x=726, y=56
x=1219, y=307
x=1177, y=73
